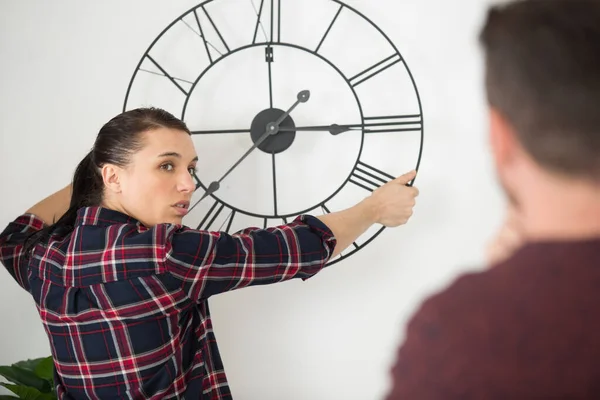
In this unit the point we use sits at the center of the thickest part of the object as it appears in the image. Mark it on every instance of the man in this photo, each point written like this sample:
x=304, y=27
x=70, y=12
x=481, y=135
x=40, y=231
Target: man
x=529, y=327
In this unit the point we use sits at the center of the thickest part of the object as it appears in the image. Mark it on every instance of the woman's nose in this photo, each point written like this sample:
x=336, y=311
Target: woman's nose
x=186, y=183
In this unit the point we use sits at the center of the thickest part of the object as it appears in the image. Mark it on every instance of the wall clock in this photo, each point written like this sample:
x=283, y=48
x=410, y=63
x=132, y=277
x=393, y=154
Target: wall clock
x=296, y=106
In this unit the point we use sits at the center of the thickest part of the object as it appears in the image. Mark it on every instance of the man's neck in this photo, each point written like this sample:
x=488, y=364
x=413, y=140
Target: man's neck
x=561, y=209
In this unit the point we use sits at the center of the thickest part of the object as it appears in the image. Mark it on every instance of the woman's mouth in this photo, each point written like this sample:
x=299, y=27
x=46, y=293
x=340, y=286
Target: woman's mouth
x=182, y=207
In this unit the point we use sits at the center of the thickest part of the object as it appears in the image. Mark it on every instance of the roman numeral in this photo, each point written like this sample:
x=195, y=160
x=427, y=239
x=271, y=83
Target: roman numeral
x=329, y=28
x=203, y=35
x=274, y=23
x=375, y=69
x=276, y=14
x=198, y=184
x=258, y=16
x=393, y=123
x=368, y=177
x=166, y=75
x=229, y=221
x=209, y=219
x=284, y=220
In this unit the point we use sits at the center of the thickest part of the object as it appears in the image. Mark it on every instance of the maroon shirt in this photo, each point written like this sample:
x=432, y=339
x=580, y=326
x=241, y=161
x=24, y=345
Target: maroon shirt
x=528, y=328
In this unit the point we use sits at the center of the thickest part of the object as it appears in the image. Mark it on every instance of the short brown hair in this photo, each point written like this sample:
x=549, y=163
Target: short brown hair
x=543, y=76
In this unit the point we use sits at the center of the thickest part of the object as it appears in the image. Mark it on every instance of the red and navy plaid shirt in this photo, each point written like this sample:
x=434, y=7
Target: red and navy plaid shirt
x=125, y=306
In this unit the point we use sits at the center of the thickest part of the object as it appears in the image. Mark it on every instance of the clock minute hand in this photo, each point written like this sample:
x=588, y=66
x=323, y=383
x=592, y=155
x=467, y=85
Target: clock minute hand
x=272, y=129
x=301, y=97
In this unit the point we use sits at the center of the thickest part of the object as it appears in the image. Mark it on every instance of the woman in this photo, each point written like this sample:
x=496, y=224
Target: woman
x=122, y=286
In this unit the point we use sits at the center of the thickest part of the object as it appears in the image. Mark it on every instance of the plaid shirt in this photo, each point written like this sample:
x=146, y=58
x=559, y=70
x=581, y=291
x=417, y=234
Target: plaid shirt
x=125, y=306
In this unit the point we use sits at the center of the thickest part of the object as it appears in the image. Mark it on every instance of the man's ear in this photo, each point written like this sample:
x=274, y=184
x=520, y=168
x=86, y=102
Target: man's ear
x=503, y=138
x=111, y=177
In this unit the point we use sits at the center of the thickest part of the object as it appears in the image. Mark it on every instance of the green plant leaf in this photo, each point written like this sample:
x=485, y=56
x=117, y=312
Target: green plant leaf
x=31, y=364
x=7, y=397
x=45, y=369
x=28, y=393
x=23, y=377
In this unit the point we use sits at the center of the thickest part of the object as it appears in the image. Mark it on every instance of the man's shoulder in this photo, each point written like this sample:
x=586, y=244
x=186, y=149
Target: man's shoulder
x=482, y=296
x=494, y=330
x=470, y=289
x=527, y=285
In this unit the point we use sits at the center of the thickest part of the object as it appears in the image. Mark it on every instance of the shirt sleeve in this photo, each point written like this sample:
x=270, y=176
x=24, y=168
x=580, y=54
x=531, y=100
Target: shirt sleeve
x=208, y=263
x=12, y=240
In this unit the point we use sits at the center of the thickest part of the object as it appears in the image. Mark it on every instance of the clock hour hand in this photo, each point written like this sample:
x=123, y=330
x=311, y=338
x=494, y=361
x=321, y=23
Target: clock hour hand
x=334, y=129
x=271, y=129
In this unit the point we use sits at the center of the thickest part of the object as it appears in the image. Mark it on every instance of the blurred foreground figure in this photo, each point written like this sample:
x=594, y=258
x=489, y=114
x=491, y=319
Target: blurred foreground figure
x=528, y=327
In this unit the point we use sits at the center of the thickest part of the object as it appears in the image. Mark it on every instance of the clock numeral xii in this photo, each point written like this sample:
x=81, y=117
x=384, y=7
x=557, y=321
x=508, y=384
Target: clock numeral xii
x=274, y=24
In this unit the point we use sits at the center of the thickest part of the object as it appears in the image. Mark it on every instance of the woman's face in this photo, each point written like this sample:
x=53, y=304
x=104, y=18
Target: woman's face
x=157, y=185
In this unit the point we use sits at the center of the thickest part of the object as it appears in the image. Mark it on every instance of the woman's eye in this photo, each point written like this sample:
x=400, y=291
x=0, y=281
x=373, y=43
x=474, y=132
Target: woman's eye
x=192, y=170
x=167, y=167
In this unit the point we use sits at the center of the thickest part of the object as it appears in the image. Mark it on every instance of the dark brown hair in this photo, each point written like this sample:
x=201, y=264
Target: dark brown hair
x=543, y=75
x=117, y=140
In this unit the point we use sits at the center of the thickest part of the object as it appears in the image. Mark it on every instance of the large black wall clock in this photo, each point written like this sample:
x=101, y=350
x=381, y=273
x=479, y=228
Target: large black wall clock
x=297, y=106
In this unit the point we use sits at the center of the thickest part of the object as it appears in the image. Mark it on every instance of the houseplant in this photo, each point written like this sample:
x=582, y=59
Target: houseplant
x=29, y=379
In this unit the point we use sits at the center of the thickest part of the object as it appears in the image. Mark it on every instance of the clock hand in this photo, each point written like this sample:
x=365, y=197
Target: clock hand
x=220, y=131
x=392, y=123
x=334, y=129
x=272, y=129
x=303, y=97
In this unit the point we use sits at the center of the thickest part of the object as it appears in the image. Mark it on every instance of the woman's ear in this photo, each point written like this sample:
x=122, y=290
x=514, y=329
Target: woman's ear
x=111, y=177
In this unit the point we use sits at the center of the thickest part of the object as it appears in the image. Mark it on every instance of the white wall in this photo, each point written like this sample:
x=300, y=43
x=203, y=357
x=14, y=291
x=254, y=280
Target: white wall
x=64, y=69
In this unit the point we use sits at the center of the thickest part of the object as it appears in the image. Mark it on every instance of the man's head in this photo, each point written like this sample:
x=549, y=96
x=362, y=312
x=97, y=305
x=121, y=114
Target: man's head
x=542, y=60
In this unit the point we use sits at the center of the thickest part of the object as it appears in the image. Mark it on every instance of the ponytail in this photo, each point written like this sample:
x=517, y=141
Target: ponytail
x=87, y=189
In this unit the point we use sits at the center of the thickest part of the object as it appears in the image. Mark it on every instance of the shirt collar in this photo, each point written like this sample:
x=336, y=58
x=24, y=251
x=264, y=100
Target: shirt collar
x=102, y=217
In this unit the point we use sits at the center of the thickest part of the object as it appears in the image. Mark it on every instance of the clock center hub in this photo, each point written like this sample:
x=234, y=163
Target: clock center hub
x=265, y=120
